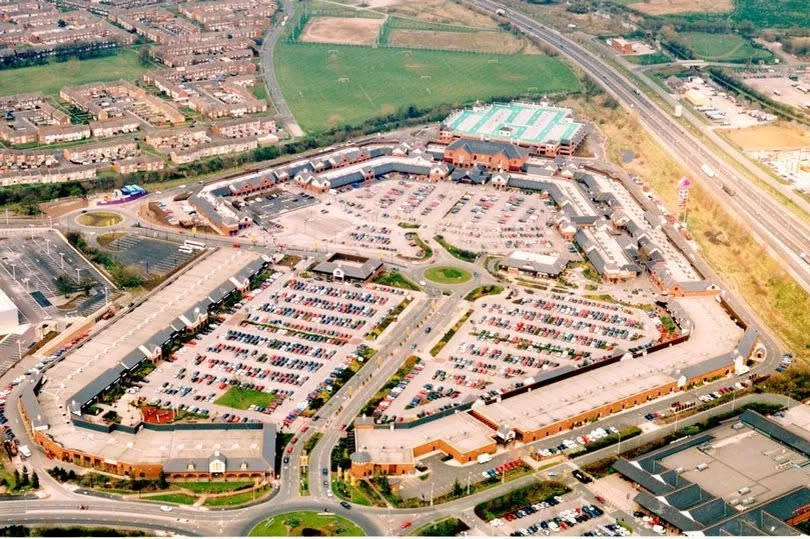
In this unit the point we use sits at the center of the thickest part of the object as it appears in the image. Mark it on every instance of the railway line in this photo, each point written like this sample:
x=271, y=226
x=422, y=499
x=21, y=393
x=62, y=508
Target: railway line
x=785, y=235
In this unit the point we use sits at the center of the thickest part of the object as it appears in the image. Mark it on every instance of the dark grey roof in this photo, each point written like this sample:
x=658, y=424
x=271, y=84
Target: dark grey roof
x=746, y=345
x=32, y=409
x=269, y=434
x=96, y=386
x=489, y=147
x=688, y=496
x=710, y=365
x=634, y=473
x=476, y=175
x=667, y=512
x=777, y=432
x=160, y=338
x=712, y=511
x=766, y=519
x=351, y=271
x=133, y=359
x=351, y=177
x=360, y=457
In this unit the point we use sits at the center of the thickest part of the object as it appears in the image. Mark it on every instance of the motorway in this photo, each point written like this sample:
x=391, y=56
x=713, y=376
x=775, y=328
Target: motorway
x=61, y=503
x=784, y=234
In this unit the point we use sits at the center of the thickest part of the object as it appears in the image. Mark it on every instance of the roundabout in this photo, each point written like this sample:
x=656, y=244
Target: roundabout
x=306, y=524
x=447, y=275
x=99, y=219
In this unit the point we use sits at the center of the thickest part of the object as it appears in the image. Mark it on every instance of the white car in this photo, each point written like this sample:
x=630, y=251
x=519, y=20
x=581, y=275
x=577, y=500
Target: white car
x=166, y=508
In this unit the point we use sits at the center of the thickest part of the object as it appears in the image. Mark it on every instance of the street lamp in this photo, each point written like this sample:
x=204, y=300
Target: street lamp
x=78, y=276
x=14, y=271
x=62, y=260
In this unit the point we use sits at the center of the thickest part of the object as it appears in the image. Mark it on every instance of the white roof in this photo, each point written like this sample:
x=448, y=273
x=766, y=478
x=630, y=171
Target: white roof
x=537, y=258
x=5, y=302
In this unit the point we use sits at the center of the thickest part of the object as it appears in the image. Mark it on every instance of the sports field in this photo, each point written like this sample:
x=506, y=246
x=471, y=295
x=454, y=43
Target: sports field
x=722, y=47
x=333, y=85
x=49, y=78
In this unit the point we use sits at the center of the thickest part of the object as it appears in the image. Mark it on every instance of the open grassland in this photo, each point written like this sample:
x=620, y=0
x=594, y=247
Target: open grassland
x=722, y=47
x=772, y=136
x=332, y=85
x=743, y=264
x=773, y=13
x=669, y=7
x=348, y=30
x=438, y=11
x=49, y=78
x=483, y=41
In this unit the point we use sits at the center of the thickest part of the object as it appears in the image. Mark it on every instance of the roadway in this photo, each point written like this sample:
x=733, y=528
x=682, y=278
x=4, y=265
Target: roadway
x=268, y=70
x=783, y=234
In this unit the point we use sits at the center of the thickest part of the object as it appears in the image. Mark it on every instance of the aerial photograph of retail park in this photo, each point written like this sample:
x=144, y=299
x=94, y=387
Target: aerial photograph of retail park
x=389, y=268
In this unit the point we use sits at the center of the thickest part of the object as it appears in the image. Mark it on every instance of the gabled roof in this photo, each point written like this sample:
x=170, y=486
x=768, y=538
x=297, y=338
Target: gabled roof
x=489, y=147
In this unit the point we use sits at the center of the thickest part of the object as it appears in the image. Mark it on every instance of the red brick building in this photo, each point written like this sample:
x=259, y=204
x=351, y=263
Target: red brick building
x=489, y=154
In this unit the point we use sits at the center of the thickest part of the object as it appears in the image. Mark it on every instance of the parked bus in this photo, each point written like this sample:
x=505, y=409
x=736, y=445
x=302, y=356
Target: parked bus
x=193, y=244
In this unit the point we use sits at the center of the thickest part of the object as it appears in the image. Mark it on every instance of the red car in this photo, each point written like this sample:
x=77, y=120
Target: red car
x=289, y=449
x=406, y=524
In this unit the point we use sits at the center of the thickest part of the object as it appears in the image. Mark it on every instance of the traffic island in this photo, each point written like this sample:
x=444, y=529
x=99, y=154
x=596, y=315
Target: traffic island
x=447, y=275
x=306, y=524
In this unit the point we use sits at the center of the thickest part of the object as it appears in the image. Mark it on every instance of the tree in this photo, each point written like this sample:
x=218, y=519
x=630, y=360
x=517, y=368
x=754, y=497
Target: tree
x=25, y=479
x=35, y=480
x=458, y=490
x=162, y=483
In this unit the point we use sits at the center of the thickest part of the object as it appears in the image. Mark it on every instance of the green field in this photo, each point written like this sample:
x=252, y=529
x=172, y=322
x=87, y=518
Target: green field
x=722, y=47
x=397, y=280
x=240, y=398
x=448, y=275
x=648, y=59
x=773, y=13
x=309, y=523
x=49, y=78
x=213, y=487
x=184, y=499
x=333, y=85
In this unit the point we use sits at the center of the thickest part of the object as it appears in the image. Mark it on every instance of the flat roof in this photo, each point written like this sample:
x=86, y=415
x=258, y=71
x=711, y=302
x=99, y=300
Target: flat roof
x=526, y=123
x=386, y=446
x=93, y=366
x=714, y=333
x=5, y=302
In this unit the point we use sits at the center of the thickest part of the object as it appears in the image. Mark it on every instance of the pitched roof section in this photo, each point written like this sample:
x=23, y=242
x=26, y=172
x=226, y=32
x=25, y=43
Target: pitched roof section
x=489, y=147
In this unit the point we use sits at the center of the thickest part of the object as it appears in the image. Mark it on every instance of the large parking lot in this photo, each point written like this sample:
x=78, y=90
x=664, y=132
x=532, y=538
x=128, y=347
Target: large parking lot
x=38, y=259
x=379, y=217
x=275, y=353
x=152, y=257
x=506, y=342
